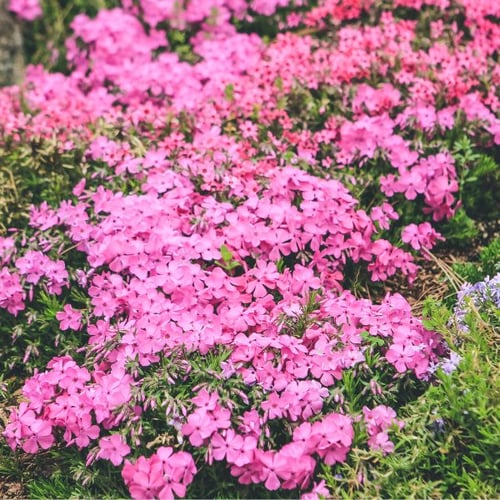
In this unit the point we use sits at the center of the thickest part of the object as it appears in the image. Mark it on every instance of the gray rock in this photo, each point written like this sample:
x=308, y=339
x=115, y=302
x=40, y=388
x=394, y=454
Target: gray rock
x=11, y=48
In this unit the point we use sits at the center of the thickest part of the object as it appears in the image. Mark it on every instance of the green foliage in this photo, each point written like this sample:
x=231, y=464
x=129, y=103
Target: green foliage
x=488, y=265
x=460, y=229
x=178, y=42
x=479, y=176
x=60, y=473
x=449, y=445
x=34, y=172
x=228, y=263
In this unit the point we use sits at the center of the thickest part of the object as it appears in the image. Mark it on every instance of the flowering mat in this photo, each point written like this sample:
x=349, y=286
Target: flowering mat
x=244, y=177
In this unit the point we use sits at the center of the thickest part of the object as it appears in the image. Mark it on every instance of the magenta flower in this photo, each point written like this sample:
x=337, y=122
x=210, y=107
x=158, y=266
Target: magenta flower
x=200, y=426
x=113, y=448
x=231, y=220
x=69, y=318
x=11, y=292
x=160, y=476
x=27, y=429
x=147, y=483
x=401, y=356
x=41, y=436
x=236, y=449
x=274, y=406
x=273, y=467
x=26, y=9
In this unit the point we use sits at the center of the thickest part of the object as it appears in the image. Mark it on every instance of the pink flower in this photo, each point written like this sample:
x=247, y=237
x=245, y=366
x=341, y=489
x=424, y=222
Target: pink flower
x=401, y=356
x=32, y=265
x=160, y=476
x=273, y=465
x=421, y=236
x=300, y=466
x=26, y=9
x=179, y=471
x=27, y=429
x=148, y=482
x=378, y=421
x=113, y=448
x=11, y=292
x=319, y=491
x=237, y=450
x=69, y=318
x=41, y=436
x=274, y=406
x=200, y=426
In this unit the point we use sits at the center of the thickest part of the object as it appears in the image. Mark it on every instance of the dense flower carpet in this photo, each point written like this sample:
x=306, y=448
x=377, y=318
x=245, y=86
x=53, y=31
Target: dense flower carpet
x=241, y=164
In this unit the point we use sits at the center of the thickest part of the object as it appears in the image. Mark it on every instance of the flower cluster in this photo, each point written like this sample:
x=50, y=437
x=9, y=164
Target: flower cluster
x=479, y=297
x=163, y=475
x=28, y=10
x=378, y=421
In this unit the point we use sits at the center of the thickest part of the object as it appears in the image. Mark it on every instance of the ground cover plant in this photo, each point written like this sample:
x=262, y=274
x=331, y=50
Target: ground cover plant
x=205, y=209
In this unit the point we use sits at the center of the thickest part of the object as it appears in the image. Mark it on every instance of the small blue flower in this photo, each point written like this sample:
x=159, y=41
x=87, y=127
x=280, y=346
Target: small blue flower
x=438, y=426
x=481, y=296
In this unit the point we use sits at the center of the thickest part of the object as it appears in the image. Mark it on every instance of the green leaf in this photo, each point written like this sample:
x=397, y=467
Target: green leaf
x=229, y=92
x=226, y=254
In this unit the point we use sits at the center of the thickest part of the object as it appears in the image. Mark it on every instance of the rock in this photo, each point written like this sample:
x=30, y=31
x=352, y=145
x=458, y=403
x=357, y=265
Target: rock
x=11, y=48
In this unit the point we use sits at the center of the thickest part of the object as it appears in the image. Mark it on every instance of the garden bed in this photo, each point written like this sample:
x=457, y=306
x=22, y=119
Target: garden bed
x=236, y=245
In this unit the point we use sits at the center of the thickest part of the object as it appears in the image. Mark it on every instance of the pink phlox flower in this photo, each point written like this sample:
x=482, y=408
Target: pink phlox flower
x=161, y=476
x=303, y=280
x=300, y=466
x=337, y=428
x=237, y=449
x=83, y=429
x=381, y=441
x=110, y=392
x=221, y=417
x=26, y=9
x=69, y=318
x=27, y=429
x=275, y=406
x=206, y=400
x=319, y=491
x=144, y=479
x=334, y=436
x=266, y=275
x=149, y=340
x=251, y=423
x=378, y=422
x=7, y=249
x=43, y=217
x=57, y=276
x=180, y=467
x=304, y=398
x=32, y=265
x=273, y=466
x=11, y=292
x=74, y=378
x=420, y=236
x=179, y=471
x=39, y=389
x=326, y=364
x=200, y=425
x=401, y=356
x=113, y=448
